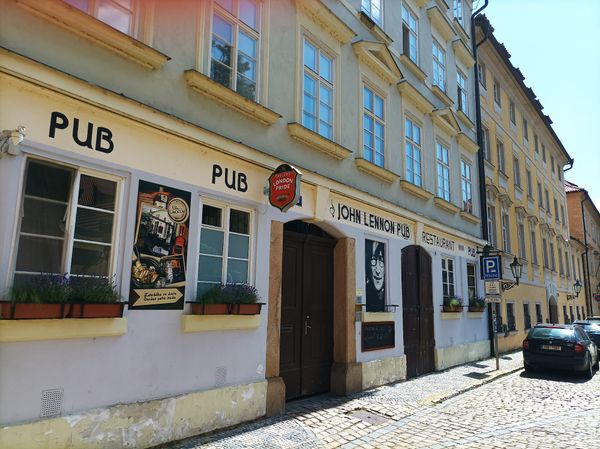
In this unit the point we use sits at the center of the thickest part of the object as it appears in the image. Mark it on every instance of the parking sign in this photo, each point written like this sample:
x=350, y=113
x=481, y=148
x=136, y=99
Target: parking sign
x=491, y=268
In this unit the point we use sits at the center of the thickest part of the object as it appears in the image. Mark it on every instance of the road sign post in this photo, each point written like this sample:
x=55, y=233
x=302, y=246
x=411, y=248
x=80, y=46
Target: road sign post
x=495, y=328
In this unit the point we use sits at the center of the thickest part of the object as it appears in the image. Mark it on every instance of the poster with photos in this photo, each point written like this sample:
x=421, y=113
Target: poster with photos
x=375, y=275
x=158, y=260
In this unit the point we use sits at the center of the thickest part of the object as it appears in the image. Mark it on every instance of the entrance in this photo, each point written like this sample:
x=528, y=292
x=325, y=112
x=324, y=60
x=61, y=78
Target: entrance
x=306, y=337
x=553, y=310
x=417, y=305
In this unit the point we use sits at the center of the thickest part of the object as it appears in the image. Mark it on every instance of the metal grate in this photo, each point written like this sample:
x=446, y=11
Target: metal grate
x=51, y=402
x=220, y=376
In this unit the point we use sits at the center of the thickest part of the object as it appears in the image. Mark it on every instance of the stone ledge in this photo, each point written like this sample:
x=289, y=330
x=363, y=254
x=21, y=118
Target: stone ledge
x=207, y=323
x=65, y=329
x=318, y=142
x=375, y=170
x=415, y=190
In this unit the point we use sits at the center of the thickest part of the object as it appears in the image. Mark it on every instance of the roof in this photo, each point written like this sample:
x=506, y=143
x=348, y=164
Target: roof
x=483, y=22
x=571, y=187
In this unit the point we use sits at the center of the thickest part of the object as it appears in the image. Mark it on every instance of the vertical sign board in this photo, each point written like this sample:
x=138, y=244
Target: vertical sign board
x=160, y=248
x=284, y=187
x=491, y=268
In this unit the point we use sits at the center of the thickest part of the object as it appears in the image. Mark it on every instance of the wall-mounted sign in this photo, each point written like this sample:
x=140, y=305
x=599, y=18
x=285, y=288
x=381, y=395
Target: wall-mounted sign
x=357, y=216
x=492, y=288
x=160, y=248
x=379, y=335
x=284, y=187
x=85, y=136
x=491, y=268
x=436, y=240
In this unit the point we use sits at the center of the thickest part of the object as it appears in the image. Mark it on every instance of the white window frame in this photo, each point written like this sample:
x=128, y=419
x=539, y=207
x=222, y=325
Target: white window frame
x=529, y=183
x=443, y=171
x=533, y=236
x=466, y=186
x=517, y=171
x=370, y=8
x=505, y=226
x=512, y=113
x=501, y=156
x=486, y=144
x=482, y=72
x=491, y=222
x=472, y=280
x=93, y=9
x=412, y=147
x=521, y=238
x=497, y=93
x=525, y=131
x=376, y=120
x=462, y=92
x=410, y=34
x=439, y=65
x=457, y=11
x=320, y=82
x=449, y=285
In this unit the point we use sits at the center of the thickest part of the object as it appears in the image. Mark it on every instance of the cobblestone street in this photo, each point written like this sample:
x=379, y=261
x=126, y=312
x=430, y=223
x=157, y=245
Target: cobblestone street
x=472, y=406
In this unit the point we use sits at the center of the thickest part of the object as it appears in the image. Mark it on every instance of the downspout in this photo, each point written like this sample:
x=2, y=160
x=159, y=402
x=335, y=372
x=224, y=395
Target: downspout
x=587, y=280
x=480, y=157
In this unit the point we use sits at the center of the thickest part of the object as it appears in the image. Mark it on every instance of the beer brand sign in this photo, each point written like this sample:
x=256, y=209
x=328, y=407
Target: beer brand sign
x=284, y=187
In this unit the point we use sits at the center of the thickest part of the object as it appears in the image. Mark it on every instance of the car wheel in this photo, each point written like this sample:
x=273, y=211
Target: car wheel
x=588, y=373
x=596, y=365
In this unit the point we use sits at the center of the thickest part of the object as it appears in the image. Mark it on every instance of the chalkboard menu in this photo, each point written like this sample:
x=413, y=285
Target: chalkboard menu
x=380, y=335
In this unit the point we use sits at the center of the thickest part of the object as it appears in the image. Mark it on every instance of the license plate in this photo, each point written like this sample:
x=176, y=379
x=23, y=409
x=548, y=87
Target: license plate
x=552, y=348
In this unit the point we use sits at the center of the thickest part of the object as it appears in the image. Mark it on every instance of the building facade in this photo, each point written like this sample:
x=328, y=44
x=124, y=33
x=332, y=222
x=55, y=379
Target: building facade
x=584, y=222
x=526, y=200
x=151, y=132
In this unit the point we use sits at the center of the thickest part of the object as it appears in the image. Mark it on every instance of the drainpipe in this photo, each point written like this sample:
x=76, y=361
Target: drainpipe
x=480, y=158
x=586, y=265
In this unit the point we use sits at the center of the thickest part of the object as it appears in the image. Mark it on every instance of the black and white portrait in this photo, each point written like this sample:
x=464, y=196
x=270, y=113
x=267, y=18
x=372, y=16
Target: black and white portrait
x=375, y=275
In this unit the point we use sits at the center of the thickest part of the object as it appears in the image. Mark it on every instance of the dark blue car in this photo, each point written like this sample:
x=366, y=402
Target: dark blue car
x=560, y=346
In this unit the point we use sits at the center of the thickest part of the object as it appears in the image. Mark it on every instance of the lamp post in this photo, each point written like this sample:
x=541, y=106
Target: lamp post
x=517, y=270
x=576, y=289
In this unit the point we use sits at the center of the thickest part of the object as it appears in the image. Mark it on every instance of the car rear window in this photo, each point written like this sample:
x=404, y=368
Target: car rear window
x=550, y=332
x=591, y=327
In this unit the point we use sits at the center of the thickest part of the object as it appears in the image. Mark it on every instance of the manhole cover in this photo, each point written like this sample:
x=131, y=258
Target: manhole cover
x=368, y=417
x=476, y=375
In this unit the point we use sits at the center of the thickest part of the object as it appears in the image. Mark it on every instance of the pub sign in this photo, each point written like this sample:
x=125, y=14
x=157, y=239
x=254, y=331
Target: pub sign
x=284, y=187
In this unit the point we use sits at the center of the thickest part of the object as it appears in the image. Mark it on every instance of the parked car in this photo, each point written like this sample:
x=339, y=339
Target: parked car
x=592, y=328
x=560, y=346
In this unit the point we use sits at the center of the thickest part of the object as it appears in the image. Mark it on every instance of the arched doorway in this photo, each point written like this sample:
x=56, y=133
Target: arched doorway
x=553, y=310
x=306, y=333
x=417, y=306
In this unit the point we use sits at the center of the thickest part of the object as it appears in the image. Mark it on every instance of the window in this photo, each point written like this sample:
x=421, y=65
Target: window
x=412, y=133
x=409, y=34
x=566, y=315
x=562, y=214
x=556, y=216
x=538, y=313
x=532, y=234
x=521, y=237
x=547, y=196
x=561, y=268
x=501, y=161
x=497, y=96
x=505, y=223
x=372, y=8
x=536, y=144
x=467, y=186
x=373, y=127
x=439, y=66
x=472, y=280
x=572, y=316
x=491, y=218
x=119, y=14
x=578, y=314
x=517, y=171
x=448, y=277
x=224, y=246
x=525, y=130
x=485, y=138
x=529, y=183
x=526, y=317
x=317, y=99
x=545, y=252
x=552, y=260
x=511, y=112
x=481, y=71
x=443, y=172
x=552, y=163
x=540, y=197
x=234, y=53
x=458, y=11
x=57, y=199
x=462, y=94
x=567, y=266
x=510, y=317
x=544, y=153
x=498, y=313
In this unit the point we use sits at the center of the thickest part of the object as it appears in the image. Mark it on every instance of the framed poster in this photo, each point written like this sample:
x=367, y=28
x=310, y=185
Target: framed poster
x=375, y=275
x=158, y=261
x=380, y=335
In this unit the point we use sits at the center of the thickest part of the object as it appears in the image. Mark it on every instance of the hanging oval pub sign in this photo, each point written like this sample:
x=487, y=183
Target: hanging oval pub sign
x=284, y=187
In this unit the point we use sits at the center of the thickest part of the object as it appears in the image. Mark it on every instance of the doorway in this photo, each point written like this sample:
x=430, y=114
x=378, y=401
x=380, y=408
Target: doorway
x=417, y=306
x=553, y=312
x=306, y=333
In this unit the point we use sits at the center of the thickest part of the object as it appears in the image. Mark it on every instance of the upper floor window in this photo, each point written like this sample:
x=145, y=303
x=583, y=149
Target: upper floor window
x=547, y=196
x=317, y=99
x=501, y=160
x=373, y=9
x=234, y=51
x=448, y=289
x=409, y=34
x=521, y=238
x=533, y=236
x=119, y=14
x=458, y=10
x=497, y=94
x=529, y=183
x=412, y=133
x=517, y=171
x=512, y=112
x=461, y=91
x=540, y=198
x=544, y=153
x=525, y=130
x=467, y=186
x=526, y=316
x=443, y=172
x=68, y=217
x=552, y=163
x=373, y=127
x=472, y=280
x=491, y=223
x=482, y=74
x=439, y=66
x=505, y=222
x=485, y=140
x=536, y=144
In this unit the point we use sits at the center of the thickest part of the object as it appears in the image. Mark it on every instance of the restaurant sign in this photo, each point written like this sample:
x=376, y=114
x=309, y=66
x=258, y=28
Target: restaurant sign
x=284, y=187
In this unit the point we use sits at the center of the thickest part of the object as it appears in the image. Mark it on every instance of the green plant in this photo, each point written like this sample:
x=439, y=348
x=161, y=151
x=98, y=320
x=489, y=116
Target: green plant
x=93, y=290
x=45, y=289
x=229, y=294
x=453, y=301
x=477, y=302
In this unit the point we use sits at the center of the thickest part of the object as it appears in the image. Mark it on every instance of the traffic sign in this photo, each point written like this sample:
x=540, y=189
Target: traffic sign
x=491, y=268
x=493, y=299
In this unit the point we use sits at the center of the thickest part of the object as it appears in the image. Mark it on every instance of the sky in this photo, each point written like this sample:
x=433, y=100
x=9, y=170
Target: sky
x=556, y=44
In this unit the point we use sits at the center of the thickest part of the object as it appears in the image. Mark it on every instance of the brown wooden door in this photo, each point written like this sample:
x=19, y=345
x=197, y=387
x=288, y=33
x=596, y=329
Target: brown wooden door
x=553, y=313
x=306, y=349
x=417, y=305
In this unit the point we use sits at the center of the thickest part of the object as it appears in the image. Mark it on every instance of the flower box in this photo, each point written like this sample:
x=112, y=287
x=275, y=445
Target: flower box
x=476, y=308
x=246, y=309
x=452, y=308
x=25, y=311
x=86, y=310
x=210, y=309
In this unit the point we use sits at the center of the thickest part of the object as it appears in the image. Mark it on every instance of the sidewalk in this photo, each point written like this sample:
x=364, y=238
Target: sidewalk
x=327, y=421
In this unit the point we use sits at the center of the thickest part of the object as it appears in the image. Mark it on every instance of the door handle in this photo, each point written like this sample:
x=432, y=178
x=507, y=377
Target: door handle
x=306, y=326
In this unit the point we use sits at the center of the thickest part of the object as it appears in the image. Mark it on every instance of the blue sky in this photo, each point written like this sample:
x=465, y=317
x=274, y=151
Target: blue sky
x=556, y=44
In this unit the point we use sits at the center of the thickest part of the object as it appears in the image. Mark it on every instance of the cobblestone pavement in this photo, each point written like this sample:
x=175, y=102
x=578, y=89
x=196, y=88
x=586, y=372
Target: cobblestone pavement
x=471, y=406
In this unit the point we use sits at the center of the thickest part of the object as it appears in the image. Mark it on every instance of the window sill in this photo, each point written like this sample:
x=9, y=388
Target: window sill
x=461, y=30
x=318, y=142
x=323, y=16
x=413, y=67
x=410, y=92
x=65, y=329
x=415, y=190
x=462, y=52
x=441, y=95
x=473, y=315
x=445, y=205
x=375, y=28
x=209, y=88
x=441, y=22
x=95, y=30
x=208, y=323
x=469, y=217
x=377, y=317
x=463, y=117
x=451, y=315
x=467, y=143
x=375, y=170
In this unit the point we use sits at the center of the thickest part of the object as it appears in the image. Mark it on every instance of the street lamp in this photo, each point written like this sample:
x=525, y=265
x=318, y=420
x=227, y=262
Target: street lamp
x=577, y=289
x=517, y=270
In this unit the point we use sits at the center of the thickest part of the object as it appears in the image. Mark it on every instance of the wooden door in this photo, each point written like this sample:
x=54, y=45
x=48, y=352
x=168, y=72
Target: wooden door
x=306, y=349
x=553, y=313
x=417, y=305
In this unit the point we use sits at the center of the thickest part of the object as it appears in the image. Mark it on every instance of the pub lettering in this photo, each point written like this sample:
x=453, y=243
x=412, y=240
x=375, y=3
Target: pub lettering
x=83, y=135
x=233, y=180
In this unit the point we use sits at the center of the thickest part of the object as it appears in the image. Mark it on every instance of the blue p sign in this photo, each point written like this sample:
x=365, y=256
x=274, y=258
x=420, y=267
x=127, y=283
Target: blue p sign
x=491, y=268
